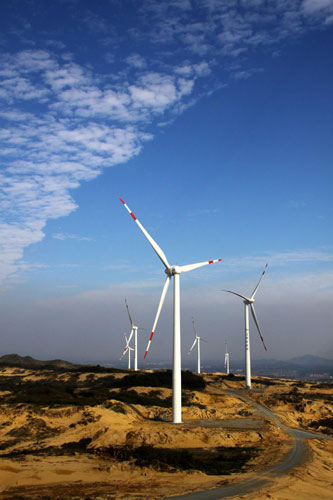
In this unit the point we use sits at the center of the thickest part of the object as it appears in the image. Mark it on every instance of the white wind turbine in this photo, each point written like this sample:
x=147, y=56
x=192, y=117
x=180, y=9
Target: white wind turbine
x=171, y=271
x=196, y=340
x=128, y=349
x=226, y=358
x=134, y=330
x=248, y=301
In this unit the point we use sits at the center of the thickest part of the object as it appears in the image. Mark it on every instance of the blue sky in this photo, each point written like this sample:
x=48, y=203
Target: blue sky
x=213, y=120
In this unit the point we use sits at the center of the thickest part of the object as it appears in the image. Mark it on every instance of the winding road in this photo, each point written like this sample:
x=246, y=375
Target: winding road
x=294, y=457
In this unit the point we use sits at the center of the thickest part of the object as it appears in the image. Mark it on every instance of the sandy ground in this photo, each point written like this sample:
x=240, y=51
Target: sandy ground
x=37, y=459
x=311, y=481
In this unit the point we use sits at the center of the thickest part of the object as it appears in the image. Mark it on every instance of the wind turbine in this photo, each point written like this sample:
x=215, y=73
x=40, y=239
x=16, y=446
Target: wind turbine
x=171, y=271
x=248, y=301
x=134, y=330
x=226, y=357
x=128, y=349
x=197, y=339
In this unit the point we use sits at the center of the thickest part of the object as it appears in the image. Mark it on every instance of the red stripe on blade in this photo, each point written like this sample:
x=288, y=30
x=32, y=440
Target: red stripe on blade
x=144, y=357
x=122, y=200
x=151, y=335
x=133, y=216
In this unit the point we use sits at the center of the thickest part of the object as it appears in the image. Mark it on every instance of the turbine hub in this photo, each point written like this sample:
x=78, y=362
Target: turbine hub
x=175, y=270
x=171, y=271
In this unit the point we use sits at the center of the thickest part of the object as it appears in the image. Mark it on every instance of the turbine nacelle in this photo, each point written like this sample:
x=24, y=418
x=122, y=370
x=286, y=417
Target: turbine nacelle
x=171, y=271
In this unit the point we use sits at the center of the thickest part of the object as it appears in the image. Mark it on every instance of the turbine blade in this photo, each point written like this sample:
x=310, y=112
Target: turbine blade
x=238, y=294
x=129, y=314
x=195, y=332
x=190, y=267
x=124, y=352
x=203, y=340
x=164, y=291
x=153, y=243
x=257, y=325
x=261, y=277
x=195, y=341
x=130, y=337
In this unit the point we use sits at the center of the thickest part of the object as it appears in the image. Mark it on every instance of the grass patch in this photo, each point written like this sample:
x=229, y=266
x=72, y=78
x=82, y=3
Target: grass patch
x=264, y=381
x=216, y=461
x=151, y=398
x=92, y=392
x=296, y=397
x=161, y=378
x=327, y=423
x=66, y=449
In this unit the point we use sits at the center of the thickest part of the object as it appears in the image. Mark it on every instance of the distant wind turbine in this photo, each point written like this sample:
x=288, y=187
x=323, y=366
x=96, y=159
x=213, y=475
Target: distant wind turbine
x=196, y=340
x=248, y=301
x=171, y=271
x=226, y=358
x=128, y=349
x=134, y=330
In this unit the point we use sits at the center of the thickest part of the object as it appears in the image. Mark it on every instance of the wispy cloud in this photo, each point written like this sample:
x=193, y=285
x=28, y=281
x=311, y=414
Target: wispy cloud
x=312, y=6
x=66, y=236
x=296, y=204
x=279, y=259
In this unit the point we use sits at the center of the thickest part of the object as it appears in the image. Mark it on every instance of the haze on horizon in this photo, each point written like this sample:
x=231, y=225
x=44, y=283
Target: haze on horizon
x=213, y=120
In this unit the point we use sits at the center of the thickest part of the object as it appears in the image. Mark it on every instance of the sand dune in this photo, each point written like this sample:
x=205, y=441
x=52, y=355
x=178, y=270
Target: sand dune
x=81, y=435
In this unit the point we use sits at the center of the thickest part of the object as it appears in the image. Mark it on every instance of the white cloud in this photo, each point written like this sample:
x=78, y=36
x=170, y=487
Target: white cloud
x=136, y=61
x=296, y=204
x=46, y=154
x=311, y=6
x=246, y=73
x=279, y=259
x=67, y=236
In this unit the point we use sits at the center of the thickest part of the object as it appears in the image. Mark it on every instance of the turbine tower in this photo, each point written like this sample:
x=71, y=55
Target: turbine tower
x=128, y=349
x=248, y=301
x=171, y=271
x=226, y=358
x=134, y=330
x=197, y=339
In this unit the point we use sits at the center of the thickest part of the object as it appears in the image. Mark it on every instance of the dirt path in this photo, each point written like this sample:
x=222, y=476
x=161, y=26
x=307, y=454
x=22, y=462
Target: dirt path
x=295, y=457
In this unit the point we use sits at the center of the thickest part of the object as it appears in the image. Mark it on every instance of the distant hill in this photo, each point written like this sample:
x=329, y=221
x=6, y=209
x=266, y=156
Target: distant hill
x=306, y=367
x=29, y=362
x=311, y=361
